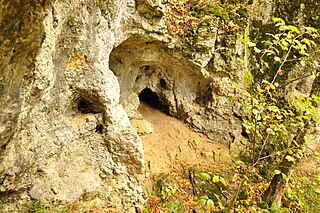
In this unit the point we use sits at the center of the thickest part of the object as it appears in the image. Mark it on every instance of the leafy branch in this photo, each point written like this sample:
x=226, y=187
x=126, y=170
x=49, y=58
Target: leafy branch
x=276, y=125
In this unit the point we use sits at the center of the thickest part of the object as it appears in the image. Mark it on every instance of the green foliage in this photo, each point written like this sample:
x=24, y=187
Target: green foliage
x=175, y=207
x=305, y=198
x=198, y=20
x=38, y=208
x=205, y=200
x=275, y=122
x=213, y=188
x=166, y=187
x=167, y=192
x=289, y=12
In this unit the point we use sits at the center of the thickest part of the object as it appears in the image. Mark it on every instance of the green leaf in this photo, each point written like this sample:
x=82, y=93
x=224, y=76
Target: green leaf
x=283, y=27
x=309, y=42
x=245, y=40
x=273, y=108
x=311, y=30
x=204, y=197
x=270, y=131
x=217, y=196
x=279, y=21
x=204, y=176
x=215, y=179
x=231, y=99
x=223, y=181
x=277, y=172
x=289, y=158
x=257, y=50
x=239, y=162
x=249, y=77
x=284, y=175
x=284, y=43
x=289, y=191
x=202, y=202
x=251, y=44
x=210, y=203
x=293, y=29
x=276, y=58
x=255, y=111
x=274, y=207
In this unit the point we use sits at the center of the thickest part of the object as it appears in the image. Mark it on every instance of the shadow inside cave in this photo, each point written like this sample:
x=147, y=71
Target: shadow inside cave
x=151, y=98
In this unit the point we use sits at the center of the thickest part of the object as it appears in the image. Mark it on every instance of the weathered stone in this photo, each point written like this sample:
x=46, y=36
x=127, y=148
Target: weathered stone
x=71, y=74
x=142, y=62
x=64, y=135
x=143, y=127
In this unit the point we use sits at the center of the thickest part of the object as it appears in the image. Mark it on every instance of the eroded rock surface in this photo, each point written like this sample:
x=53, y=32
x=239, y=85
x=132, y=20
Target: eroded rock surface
x=73, y=74
x=64, y=135
x=143, y=63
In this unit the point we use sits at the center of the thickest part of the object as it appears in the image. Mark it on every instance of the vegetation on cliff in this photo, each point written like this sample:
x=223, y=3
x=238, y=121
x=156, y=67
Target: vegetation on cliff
x=277, y=120
x=195, y=21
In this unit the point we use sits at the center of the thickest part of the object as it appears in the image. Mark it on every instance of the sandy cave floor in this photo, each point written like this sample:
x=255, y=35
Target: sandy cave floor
x=172, y=141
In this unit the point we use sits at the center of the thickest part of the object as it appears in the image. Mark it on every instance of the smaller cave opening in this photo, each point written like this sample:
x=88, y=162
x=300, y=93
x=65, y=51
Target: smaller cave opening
x=85, y=106
x=151, y=98
x=99, y=128
x=163, y=83
x=245, y=134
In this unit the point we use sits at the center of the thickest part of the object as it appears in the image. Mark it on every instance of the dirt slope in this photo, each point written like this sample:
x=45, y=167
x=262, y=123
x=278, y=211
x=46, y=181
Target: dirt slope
x=172, y=141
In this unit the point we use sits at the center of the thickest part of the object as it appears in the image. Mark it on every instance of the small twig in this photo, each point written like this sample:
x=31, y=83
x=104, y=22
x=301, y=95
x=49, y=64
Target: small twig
x=281, y=65
x=234, y=198
x=221, y=192
x=192, y=181
x=297, y=59
x=254, y=139
x=275, y=153
x=296, y=79
x=285, y=58
x=263, y=145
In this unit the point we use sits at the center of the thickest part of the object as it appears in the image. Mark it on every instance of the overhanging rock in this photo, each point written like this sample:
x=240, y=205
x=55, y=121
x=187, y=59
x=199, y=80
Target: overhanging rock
x=142, y=62
x=64, y=135
x=70, y=79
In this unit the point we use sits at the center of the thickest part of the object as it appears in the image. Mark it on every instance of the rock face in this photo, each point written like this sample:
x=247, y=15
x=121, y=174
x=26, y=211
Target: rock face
x=72, y=75
x=144, y=64
x=65, y=129
x=64, y=135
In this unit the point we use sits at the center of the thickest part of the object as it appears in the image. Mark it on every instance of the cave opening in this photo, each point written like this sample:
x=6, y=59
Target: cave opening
x=151, y=98
x=85, y=106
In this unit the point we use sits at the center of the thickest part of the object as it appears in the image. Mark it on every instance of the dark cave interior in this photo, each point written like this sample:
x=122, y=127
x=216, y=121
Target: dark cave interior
x=151, y=98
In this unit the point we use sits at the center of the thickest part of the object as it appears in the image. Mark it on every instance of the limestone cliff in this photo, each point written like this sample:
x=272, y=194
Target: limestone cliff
x=70, y=77
x=64, y=135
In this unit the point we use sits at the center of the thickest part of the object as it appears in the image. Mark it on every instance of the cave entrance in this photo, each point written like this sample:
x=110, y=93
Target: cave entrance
x=151, y=98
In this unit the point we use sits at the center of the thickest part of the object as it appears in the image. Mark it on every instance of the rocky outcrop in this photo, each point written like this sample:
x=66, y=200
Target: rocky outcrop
x=64, y=135
x=183, y=90
x=71, y=77
x=73, y=73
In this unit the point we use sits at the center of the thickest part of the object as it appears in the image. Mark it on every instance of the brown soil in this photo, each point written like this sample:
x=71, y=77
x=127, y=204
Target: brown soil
x=172, y=141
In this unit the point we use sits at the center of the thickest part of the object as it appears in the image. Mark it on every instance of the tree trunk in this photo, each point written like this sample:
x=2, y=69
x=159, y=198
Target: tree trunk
x=275, y=190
